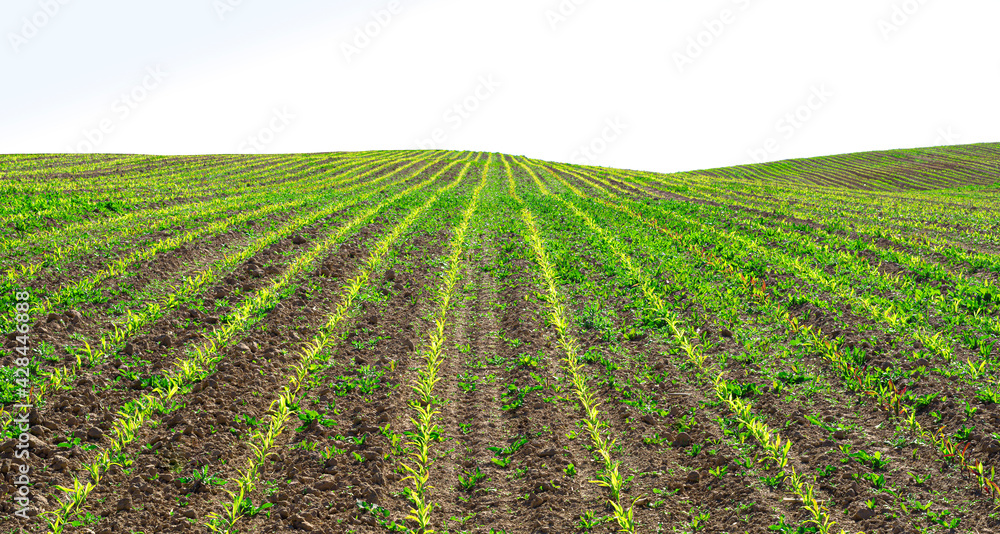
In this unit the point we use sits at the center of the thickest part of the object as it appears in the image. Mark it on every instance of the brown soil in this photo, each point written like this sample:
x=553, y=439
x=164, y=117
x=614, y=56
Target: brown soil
x=340, y=467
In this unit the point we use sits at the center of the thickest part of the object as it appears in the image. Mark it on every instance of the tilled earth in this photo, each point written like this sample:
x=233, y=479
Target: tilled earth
x=511, y=451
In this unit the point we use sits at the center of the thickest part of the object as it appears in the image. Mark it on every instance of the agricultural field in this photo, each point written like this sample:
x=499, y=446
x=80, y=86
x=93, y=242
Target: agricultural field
x=435, y=341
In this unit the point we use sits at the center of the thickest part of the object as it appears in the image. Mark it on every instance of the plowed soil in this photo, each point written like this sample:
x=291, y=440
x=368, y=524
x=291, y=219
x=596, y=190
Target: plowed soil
x=511, y=451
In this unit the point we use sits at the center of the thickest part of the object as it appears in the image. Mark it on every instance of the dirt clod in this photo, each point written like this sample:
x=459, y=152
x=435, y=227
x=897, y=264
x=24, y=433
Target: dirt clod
x=123, y=504
x=59, y=463
x=325, y=484
x=863, y=514
x=538, y=500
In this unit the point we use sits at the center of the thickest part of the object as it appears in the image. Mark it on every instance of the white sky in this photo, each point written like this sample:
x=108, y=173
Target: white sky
x=277, y=72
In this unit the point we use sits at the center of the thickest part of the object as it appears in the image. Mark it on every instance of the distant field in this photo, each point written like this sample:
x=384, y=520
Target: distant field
x=473, y=342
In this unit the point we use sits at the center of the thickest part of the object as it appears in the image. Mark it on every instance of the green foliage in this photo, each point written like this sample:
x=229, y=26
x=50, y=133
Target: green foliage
x=470, y=479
